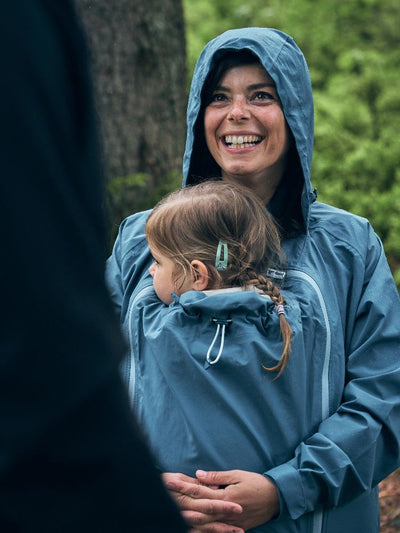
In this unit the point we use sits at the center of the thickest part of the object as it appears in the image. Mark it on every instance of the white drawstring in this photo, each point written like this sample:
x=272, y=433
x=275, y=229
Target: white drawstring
x=221, y=346
x=209, y=360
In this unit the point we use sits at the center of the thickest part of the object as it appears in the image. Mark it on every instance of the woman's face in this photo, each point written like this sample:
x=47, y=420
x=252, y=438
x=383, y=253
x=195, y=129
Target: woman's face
x=246, y=131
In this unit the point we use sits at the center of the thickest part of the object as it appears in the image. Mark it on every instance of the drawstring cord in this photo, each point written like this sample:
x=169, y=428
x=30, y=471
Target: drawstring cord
x=219, y=323
x=221, y=346
x=222, y=324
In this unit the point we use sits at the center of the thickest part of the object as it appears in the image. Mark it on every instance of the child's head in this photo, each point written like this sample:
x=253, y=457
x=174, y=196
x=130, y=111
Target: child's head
x=190, y=230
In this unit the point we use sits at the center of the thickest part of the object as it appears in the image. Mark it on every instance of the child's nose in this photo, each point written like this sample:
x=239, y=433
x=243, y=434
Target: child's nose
x=151, y=270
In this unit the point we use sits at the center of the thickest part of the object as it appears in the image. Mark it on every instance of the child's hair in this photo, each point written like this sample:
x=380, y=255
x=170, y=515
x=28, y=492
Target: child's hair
x=189, y=224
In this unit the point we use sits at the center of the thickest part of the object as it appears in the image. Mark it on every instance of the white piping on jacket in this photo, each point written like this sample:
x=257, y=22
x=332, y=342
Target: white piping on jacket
x=131, y=374
x=319, y=514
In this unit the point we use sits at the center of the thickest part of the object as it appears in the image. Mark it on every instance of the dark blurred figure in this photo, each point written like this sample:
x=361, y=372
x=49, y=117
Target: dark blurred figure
x=71, y=459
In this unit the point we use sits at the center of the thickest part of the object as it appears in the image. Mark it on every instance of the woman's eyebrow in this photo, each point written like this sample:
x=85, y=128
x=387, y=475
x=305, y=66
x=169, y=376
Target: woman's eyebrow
x=264, y=84
x=252, y=87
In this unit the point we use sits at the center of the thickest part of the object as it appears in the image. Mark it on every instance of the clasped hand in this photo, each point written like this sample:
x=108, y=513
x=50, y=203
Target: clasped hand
x=224, y=502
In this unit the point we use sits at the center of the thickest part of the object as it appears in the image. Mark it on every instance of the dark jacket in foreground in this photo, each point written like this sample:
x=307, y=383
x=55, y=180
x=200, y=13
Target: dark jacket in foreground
x=71, y=458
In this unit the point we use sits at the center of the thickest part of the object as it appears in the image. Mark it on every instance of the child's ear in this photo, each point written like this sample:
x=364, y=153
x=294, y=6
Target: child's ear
x=201, y=276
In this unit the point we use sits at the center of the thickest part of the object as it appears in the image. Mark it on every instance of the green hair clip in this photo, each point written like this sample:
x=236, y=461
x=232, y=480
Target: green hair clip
x=221, y=258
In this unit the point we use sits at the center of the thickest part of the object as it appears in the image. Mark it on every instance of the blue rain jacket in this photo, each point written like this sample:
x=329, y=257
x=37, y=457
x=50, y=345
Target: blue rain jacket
x=333, y=417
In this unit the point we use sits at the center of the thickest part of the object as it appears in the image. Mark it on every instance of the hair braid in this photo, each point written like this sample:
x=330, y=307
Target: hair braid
x=267, y=287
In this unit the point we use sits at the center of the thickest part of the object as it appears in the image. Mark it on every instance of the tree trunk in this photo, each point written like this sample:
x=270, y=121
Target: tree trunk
x=139, y=59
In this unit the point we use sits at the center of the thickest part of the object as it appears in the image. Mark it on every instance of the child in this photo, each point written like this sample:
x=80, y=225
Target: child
x=215, y=236
x=211, y=338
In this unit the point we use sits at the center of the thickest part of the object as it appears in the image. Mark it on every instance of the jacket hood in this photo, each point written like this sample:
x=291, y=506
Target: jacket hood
x=285, y=63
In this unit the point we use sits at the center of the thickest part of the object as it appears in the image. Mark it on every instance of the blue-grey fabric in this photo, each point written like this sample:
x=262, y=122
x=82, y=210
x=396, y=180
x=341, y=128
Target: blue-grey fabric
x=331, y=430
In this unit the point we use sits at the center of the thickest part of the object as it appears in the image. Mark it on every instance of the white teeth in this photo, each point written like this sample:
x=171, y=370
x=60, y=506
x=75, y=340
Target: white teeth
x=242, y=141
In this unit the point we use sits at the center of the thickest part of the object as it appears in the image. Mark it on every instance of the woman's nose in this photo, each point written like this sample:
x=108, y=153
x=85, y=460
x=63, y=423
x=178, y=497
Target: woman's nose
x=239, y=109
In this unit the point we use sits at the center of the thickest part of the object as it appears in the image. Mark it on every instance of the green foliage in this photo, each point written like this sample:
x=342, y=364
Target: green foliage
x=353, y=53
x=133, y=193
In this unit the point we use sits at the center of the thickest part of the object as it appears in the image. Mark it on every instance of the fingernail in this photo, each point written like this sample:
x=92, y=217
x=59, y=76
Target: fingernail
x=201, y=473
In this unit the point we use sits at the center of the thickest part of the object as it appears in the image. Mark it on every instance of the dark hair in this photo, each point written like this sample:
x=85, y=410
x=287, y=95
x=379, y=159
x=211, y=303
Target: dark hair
x=188, y=224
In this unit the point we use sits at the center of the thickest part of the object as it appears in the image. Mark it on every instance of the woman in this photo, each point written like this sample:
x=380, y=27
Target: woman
x=250, y=120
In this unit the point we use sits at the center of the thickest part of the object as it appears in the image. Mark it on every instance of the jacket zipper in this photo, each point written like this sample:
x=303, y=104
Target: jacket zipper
x=131, y=360
x=319, y=514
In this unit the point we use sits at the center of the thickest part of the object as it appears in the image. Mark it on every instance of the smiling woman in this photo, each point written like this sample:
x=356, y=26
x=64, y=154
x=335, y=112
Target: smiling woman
x=332, y=432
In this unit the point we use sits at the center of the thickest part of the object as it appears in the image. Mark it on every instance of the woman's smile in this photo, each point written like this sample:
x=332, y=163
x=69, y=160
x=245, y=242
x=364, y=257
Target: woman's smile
x=241, y=140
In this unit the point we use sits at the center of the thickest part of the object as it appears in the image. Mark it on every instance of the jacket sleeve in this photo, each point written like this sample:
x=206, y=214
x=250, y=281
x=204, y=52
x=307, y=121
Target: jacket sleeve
x=358, y=445
x=114, y=272
x=129, y=261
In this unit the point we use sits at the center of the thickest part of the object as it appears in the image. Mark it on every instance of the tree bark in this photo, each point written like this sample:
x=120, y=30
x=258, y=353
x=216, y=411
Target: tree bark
x=139, y=59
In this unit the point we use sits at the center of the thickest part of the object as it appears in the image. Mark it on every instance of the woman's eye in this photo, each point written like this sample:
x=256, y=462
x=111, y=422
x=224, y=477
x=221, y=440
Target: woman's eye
x=218, y=97
x=263, y=95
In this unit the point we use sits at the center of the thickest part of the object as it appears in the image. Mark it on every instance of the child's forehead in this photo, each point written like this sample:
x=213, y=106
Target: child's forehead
x=153, y=250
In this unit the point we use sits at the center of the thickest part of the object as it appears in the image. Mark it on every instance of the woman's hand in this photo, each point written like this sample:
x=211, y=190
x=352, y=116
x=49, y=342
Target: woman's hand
x=200, y=506
x=216, y=501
